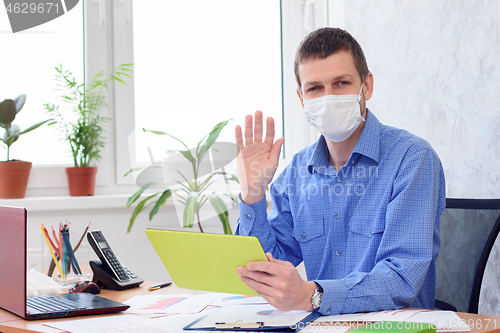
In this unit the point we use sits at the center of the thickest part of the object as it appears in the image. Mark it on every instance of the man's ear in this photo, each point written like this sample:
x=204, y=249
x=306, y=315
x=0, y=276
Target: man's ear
x=301, y=98
x=368, y=86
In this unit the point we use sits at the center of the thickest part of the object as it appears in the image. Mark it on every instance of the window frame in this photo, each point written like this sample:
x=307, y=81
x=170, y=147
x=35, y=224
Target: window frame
x=109, y=42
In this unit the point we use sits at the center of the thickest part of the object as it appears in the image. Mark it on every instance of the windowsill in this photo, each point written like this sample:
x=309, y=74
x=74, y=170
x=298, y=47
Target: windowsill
x=63, y=203
x=100, y=201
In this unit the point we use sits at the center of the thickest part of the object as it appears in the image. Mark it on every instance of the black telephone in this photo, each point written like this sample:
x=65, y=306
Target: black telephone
x=109, y=271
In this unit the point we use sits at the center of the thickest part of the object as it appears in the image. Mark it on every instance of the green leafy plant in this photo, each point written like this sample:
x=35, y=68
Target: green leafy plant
x=79, y=121
x=192, y=193
x=9, y=108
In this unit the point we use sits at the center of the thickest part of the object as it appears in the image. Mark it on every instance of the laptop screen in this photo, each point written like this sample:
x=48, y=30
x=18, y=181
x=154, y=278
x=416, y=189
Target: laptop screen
x=13, y=259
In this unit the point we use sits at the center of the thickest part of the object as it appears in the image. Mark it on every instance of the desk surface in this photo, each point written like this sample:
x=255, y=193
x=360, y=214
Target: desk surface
x=10, y=323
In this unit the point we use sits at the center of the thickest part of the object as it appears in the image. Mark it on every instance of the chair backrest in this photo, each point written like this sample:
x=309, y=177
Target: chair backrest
x=469, y=228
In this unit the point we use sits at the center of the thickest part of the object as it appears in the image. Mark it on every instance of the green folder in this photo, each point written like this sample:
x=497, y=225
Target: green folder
x=395, y=327
x=203, y=261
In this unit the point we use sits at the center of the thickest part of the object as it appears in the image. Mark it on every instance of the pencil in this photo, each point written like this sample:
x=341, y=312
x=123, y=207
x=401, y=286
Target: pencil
x=71, y=255
x=81, y=238
x=63, y=252
x=50, y=249
x=56, y=250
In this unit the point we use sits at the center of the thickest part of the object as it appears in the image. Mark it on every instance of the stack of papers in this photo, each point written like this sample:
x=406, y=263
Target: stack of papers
x=173, y=313
x=443, y=321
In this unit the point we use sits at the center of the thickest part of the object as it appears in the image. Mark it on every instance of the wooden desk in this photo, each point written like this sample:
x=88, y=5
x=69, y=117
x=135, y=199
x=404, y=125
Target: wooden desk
x=10, y=323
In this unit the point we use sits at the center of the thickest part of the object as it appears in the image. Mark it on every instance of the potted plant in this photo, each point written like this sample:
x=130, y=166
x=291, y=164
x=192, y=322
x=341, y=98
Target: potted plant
x=14, y=174
x=81, y=125
x=193, y=175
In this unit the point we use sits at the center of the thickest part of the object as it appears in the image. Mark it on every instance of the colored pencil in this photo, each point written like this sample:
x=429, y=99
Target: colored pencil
x=50, y=249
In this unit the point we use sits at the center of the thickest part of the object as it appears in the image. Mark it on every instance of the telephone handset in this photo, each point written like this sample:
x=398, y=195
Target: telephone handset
x=110, y=272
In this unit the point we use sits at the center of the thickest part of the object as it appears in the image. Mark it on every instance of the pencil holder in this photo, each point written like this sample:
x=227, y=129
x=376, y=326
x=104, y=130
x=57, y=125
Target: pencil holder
x=74, y=264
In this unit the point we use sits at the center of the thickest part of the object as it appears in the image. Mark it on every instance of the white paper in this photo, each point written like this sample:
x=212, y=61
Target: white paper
x=388, y=315
x=169, y=303
x=41, y=284
x=443, y=320
x=225, y=299
x=176, y=323
x=121, y=323
x=324, y=327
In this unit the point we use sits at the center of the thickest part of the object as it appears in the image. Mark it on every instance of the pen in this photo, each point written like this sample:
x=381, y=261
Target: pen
x=163, y=285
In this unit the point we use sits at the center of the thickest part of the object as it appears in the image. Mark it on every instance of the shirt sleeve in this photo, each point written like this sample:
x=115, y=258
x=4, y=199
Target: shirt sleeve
x=275, y=231
x=408, y=248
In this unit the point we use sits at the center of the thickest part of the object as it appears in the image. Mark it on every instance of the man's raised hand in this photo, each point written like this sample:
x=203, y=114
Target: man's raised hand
x=258, y=160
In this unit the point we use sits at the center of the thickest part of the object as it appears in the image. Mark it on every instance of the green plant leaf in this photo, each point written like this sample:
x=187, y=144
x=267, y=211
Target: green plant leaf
x=137, y=194
x=20, y=100
x=212, y=137
x=164, y=133
x=221, y=210
x=165, y=195
x=7, y=112
x=190, y=209
x=131, y=170
x=115, y=78
x=187, y=154
x=32, y=127
x=233, y=175
x=139, y=208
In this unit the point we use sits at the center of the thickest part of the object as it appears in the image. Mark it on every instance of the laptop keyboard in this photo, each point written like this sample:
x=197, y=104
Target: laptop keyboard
x=51, y=303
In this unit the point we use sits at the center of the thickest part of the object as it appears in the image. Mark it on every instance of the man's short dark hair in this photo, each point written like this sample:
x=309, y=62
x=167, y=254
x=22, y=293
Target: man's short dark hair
x=325, y=41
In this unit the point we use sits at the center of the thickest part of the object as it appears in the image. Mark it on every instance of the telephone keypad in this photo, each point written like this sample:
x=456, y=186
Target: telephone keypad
x=116, y=265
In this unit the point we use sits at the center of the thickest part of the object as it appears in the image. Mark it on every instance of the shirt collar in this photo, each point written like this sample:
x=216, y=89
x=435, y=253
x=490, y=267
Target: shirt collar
x=367, y=145
x=369, y=141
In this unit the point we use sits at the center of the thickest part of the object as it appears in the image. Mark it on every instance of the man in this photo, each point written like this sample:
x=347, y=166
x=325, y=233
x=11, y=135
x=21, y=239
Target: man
x=360, y=207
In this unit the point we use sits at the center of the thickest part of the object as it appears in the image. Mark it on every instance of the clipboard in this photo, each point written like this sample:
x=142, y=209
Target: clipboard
x=253, y=317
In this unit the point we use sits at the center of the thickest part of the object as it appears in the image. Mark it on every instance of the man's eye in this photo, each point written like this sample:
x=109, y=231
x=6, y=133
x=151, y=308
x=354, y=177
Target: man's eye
x=343, y=83
x=312, y=89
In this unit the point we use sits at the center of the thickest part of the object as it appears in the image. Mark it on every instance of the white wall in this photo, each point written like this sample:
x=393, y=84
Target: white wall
x=436, y=67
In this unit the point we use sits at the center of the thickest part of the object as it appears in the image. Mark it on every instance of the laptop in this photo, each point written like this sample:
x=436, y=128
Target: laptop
x=13, y=284
x=204, y=261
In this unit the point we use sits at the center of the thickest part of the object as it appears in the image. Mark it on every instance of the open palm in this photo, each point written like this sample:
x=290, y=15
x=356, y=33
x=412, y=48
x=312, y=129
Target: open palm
x=258, y=160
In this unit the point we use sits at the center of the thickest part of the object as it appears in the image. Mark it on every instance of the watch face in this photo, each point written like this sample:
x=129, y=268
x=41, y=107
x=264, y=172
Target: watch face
x=316, y=299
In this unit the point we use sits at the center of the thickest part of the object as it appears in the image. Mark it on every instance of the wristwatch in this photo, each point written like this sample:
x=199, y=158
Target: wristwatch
x=317, y=297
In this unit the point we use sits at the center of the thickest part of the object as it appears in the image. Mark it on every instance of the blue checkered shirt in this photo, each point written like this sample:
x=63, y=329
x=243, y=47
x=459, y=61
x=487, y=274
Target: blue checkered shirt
x=368, y=233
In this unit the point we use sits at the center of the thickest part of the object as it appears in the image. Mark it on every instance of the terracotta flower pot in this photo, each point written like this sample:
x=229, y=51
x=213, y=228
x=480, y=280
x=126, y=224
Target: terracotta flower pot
x=14, y=177
x=81, y=181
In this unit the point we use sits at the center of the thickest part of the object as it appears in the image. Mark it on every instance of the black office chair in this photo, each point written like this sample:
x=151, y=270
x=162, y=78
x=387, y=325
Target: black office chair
x=469, y=228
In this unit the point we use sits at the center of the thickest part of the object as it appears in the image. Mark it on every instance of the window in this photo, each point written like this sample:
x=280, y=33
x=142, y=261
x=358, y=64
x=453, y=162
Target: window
x=196, y=63
x=27, y=67
x=201, y=62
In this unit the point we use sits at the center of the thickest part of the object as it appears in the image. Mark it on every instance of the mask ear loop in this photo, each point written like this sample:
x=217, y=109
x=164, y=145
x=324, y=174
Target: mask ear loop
x=360, y=90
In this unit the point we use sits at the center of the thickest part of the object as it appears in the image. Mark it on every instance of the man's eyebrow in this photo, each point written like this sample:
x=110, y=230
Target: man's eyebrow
x=337, y=78
x=343, y=76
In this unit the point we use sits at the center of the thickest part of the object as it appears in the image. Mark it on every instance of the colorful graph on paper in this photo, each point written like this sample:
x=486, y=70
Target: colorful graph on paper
x=163, y=303
x=236, y=298
x=169, y=303
x=270, y=313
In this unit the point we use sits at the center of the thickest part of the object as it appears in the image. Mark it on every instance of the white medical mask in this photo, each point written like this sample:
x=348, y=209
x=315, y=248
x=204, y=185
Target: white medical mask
x=334, y=116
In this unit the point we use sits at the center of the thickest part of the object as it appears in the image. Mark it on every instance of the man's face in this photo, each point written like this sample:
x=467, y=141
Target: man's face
x=333, y=75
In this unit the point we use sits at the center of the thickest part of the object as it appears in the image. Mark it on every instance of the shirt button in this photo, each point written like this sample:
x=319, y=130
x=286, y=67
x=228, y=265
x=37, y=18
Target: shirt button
x=337, y=215
x=338, y=253
x=340, y=179
x=304, y=235
x=249, y=216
